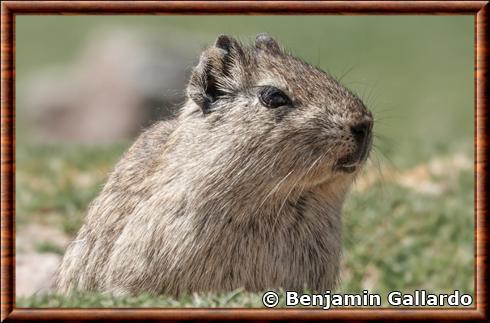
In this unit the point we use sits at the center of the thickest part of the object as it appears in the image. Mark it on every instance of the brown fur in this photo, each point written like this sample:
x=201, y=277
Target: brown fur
x=230, y=194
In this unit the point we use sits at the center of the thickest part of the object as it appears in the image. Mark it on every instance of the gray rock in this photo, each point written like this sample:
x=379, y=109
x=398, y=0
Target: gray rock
x=121, y=81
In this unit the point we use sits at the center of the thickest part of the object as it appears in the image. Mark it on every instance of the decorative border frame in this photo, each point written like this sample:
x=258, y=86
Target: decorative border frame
x=10, y=9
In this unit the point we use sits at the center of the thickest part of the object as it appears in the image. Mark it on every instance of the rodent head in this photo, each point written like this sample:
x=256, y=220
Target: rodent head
x=279, y=115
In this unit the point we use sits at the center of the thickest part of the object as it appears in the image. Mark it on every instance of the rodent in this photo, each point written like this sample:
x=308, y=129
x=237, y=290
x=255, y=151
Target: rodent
x=242, y=189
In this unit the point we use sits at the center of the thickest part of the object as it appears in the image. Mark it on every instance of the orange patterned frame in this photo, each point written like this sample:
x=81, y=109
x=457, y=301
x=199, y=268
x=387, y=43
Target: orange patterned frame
x=10, y=9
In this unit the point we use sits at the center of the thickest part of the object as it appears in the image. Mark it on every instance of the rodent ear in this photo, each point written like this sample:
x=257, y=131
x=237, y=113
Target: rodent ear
x=265, y=42
x=227, y=43
x=218, y=73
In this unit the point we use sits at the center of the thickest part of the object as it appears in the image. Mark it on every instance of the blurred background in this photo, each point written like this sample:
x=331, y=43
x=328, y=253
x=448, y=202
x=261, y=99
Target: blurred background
x=87, y=85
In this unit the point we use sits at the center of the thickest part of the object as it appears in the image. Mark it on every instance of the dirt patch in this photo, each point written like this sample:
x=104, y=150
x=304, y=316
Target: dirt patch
x=433, y=177
x=37, y=258
x=34, y=272
x=31, y=236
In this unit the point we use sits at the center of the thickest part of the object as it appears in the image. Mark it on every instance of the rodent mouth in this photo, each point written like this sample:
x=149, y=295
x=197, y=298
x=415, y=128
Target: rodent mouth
x=346, y=168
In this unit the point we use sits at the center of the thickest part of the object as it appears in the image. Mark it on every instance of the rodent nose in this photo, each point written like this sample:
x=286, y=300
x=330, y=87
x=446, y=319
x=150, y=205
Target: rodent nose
x=361, y=130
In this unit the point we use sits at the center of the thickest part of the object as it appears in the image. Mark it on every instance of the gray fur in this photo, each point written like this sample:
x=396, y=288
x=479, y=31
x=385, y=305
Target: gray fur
x=229, y=194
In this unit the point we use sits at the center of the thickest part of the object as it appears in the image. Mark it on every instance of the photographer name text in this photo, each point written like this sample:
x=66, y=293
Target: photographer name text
x=419, y=298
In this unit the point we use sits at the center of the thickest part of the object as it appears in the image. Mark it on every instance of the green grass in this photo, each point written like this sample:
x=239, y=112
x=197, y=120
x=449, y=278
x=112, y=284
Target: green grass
x=415, y=73
x=54, y=184
x=236, y=298
x=49, y=247
x=398, y=239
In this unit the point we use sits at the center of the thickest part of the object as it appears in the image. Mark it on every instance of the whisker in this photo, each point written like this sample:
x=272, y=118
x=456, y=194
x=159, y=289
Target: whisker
x=293, y=187
x=275, y=187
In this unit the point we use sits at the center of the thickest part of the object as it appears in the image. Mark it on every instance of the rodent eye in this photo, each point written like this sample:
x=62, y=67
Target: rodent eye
x=272, y=97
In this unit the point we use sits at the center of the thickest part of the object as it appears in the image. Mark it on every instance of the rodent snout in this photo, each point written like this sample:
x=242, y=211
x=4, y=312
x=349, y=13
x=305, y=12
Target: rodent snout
x=362, y=134
x=361, y=131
